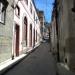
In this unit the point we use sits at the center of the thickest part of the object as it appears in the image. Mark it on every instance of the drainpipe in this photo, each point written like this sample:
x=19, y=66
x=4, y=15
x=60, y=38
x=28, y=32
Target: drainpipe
x=13, y=48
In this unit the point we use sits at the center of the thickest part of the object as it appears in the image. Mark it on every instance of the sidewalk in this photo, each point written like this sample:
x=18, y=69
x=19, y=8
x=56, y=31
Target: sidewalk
x=4, y=66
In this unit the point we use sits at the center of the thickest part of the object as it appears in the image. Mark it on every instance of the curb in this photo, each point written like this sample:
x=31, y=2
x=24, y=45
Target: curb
x=5, y=69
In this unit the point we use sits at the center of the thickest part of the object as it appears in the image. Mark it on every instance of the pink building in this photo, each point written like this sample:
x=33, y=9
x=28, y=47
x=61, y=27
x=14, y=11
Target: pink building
x=26, y=30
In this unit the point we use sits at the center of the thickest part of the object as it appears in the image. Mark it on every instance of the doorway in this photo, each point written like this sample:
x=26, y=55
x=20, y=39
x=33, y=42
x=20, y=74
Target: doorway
x=17, y=39
x=30, y=35
x=34, y=39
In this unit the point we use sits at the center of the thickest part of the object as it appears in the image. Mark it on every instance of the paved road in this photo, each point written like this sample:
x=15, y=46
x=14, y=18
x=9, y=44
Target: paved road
x=39, y=62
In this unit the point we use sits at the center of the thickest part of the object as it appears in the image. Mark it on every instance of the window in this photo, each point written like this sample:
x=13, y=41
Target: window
x=17, y=11
x=34, y=16
x=30, y=7
x=26, y=1
x=36, y=20
x=2, y=13
x=36, y=35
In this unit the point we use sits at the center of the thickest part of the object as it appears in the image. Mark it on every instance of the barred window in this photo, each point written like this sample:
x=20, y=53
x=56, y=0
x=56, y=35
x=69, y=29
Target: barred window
x=2, y=13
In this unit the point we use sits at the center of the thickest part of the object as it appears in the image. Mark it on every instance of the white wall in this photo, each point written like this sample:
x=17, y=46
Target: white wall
x=25, y=11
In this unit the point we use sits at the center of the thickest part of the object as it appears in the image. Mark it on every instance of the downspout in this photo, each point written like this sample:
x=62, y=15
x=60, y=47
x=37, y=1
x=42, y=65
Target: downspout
x=13, y=48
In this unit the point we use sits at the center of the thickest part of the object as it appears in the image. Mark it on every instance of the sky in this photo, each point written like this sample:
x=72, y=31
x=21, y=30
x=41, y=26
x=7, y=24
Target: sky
x=46, y=6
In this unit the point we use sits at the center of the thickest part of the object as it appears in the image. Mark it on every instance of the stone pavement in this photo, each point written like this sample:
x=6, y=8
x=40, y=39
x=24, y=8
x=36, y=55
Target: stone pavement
x=39, y=62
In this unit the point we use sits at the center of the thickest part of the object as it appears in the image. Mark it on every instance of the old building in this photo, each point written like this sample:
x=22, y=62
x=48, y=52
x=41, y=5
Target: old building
x=53, y=32
x=46, y=30
x=66, y=30
x=27, y=27
x=62, y=32
x=19, y=28
x=6, y=29
x=42, y=21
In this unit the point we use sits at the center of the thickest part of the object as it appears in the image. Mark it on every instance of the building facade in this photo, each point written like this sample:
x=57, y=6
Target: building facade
x=6, y=31
x=19, y=28
x=26, y=27
x=42, y=21
x=62, y=32
x=53, y=32
x=66, y=27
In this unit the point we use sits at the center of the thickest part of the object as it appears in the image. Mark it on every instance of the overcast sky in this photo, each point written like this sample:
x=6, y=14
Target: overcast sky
x=46, y=6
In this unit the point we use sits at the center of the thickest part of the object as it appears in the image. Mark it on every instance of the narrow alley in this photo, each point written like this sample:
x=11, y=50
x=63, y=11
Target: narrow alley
x=39, y=62
x=37, y=37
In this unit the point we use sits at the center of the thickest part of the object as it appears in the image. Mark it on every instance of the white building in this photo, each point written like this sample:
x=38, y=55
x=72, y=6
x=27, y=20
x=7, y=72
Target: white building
x=26, y=27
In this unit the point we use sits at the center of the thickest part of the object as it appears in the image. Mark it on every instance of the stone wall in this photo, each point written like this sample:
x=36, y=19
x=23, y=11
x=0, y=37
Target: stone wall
x=67, y=33
x=6, y=31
